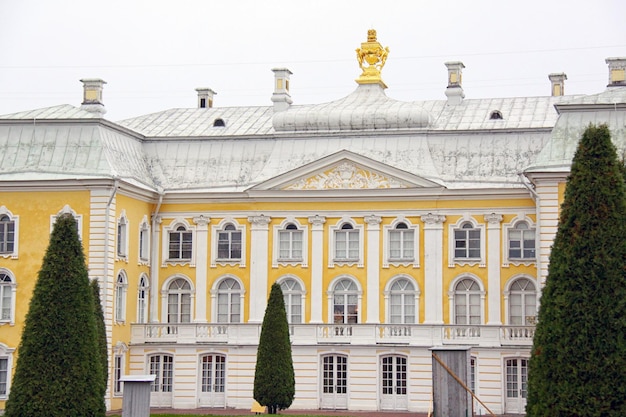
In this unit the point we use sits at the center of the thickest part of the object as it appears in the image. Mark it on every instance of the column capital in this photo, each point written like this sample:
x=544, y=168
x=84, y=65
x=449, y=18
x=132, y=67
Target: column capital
x=202, y=220
x=372, y=220
x=260, y=221
x=493, y=219
x=433, y=219
x=317, y=220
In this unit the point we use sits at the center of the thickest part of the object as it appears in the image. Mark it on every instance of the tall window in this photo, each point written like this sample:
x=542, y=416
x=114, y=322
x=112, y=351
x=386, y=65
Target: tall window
x=180, y=244
x=117, y=374
x=346, y=243
x=179, y=301
x=401, y=243
x=142, y=300
x=292, y=293
x=522, y=242
x=335, y=374
x=120, y=297
x=467, y=241
x=394, y=375
x=7, y=234
x=144, y=242
x=122, y=226
x=229, y=301
x=467, y=302
x=6, y=297
x=402, y=302
x=162, y=367
x=213, y=373
x=229, y=243
x=522, y=302
x=345, y=302
x=290, y=243
x=4, y=376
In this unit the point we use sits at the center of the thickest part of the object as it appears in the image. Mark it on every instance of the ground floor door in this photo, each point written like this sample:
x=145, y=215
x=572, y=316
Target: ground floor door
x=516, y=370
x=334, y=390
x=393, y=383
x=212, y=381
x=162, y=366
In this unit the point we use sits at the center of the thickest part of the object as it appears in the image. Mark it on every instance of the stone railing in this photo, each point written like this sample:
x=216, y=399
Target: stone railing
x=354, y=334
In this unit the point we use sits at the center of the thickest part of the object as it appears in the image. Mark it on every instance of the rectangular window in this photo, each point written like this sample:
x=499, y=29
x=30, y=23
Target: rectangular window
x=467, y=243
x=117, y=375
x=121, y=238
x=180, y=245
x=401, y=244
x=229, y=245
x=144, y=244
x=7, y=236
x=290, y=244
x=347, y=245
x=4, y=376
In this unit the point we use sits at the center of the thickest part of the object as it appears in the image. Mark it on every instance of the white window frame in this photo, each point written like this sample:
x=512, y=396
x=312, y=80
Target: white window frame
x=143, y=304
x=216, y=291
x=387, y=232
x=12, y=288
x=165, y=298
x=144, y=241
x=332, y=239
x=157, y=385
x=292, y=294
x=121, y=291
x=68, y=210
x=215, y=230
x=175, y=224
x=452, y=259
x=16, y=229
x=119, y=366
x=121, y=252
x=7, y=354
x=282, y=227
x=452, y=301
x=332, y=288
x=221, y=378
x=508, y=227
x=528, y=320
x=387, y=294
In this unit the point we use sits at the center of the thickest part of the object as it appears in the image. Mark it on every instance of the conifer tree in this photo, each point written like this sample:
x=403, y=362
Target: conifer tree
x=59, y=371
x=102, y=334
x=274, y=378
x=578, y=362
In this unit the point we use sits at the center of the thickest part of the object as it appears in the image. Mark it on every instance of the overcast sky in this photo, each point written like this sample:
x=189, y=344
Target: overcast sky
x=154, y=53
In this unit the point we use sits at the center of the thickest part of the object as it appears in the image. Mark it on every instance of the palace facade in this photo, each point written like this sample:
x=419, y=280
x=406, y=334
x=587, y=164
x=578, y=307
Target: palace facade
x=393, y=227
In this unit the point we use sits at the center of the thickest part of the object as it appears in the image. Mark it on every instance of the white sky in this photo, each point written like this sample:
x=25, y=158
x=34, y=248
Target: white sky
x=154, y=53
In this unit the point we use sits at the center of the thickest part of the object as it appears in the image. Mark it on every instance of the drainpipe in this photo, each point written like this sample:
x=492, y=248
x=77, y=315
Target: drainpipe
x=106, y=239
x=154, y=258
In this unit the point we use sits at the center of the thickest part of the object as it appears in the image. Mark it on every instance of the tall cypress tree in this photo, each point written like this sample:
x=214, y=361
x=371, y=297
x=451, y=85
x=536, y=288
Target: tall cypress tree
x=102, y=335
x=274, y=378
x=59, y=371
x=578, y=362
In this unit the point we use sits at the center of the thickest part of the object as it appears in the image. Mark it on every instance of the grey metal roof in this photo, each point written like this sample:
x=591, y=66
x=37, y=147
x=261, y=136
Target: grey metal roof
x=64, y=111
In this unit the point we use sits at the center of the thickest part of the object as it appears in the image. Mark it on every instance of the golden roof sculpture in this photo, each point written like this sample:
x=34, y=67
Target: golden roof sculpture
x=371, y=56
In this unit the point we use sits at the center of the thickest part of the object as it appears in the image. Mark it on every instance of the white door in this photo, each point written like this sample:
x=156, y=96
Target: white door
x=393, y=383
x=163, y=367
x=516, y=385
x=212, y=381
x=334, y=382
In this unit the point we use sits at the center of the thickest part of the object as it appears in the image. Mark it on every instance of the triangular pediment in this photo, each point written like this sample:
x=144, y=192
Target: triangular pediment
x=345, y=170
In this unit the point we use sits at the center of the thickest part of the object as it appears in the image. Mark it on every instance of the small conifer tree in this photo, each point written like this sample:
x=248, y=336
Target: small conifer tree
x=578, y=362
x=102, y=334
x=274, y=378
x=59, y=371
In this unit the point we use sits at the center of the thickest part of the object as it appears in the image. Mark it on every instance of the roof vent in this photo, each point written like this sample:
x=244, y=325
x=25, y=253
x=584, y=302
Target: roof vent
x=496, y=115
x=205, y=97
x=92, y=96
x=557, y=81
x=617, y=71
x=219, y=123
x=454, y=91
x=281, y=97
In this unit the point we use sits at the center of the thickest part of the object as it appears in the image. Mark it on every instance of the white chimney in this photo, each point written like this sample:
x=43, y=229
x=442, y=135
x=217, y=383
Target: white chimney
x=280, y=97
x=92, y=96
x=205, y=97
x=557, y=81
x=454, y=90
x=617, y=71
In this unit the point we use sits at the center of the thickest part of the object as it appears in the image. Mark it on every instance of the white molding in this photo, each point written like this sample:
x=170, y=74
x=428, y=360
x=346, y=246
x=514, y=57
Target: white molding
x=387, y=229
x=165, y=244
x=165, y=292
x=16, y=233
x=13, y=286
x=452, y=260
x=387, y=294
x=68, y=210
x=451, y=294
x=332, y=262
x=145, y=226
x=215, y=292
x=121, y=289
x=507, y=227
x=214, y=243
x=331, y=292
x=296, y=278
x=276, y=261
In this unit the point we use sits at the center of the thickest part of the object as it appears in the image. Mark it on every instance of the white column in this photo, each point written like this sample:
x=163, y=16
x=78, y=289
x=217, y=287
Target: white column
x=494, y=247
x=155, y=261
x=373, y=268
x=317, y=261
x=259, y=244
x=202, y=250
x=433, y=268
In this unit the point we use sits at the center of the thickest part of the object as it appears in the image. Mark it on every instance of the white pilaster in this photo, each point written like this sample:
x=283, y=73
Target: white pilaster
x=494, y=247
x=259, y=244
x=373, y=268
x=154, y=269
x=433, y=268
x=317, y=259
x=202, y=251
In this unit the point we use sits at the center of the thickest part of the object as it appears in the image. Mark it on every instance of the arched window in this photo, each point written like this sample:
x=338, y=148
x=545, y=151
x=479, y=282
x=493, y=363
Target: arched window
x=179, y=301
x=7, y=290
x=229, y=243
x=229, y=301
x=121, y=285
x=122, y=236
x=467, y=302
x=522, y=241
x=7, y=234
x=522, y=302
x=345, y=302
x=290, y=243
x=346, y=243
x=180, y=243
x=292, y=293
x=402, y=302
x=144, y=241
x=467, y=241
x=401, y=243
x=142, y=300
